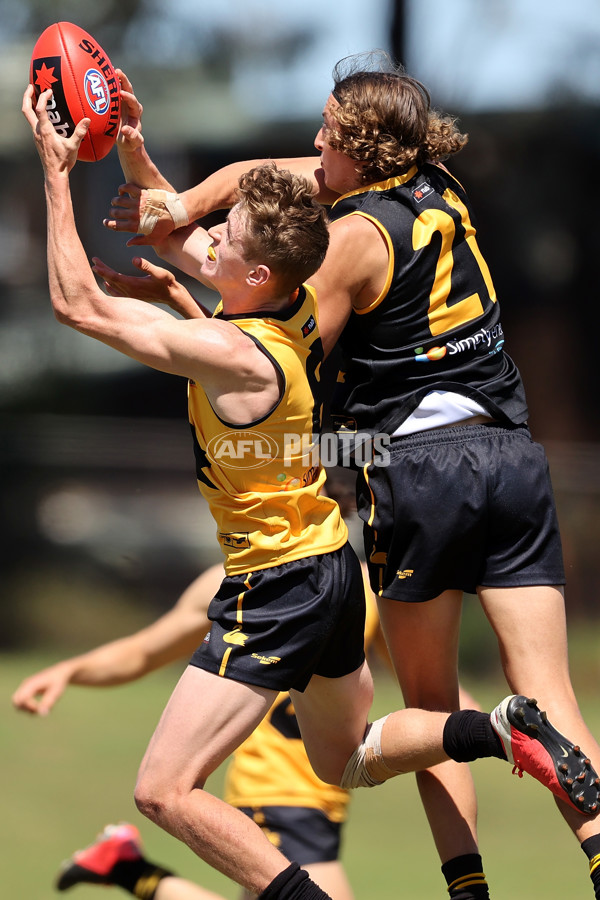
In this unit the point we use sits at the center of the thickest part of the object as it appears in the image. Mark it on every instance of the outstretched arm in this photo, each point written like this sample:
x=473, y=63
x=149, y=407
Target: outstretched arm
x=140, y=171
x=205, y=350
x=137, y=166
x=173, y=636
x=217, y=191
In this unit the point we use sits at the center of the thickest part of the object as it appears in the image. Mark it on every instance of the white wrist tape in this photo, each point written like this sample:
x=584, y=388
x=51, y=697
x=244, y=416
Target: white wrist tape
x=366, y=767
x=158, y=201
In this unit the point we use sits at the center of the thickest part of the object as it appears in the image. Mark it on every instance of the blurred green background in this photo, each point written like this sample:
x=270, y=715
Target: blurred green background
x=102, y=525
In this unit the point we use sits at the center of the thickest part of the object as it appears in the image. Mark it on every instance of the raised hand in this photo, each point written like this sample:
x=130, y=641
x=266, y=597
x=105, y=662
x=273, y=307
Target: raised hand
x=157, y=285
x=152, y=214
x=130, y=136
x=57, y=153
x=38, y=693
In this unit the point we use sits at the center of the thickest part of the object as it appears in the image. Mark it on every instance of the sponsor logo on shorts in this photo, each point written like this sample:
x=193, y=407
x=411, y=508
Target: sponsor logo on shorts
x=266, y=660
x=236, y=636
x=405, y=573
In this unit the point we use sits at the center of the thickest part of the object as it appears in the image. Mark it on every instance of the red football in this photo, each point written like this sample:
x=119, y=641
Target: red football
x=70, y=62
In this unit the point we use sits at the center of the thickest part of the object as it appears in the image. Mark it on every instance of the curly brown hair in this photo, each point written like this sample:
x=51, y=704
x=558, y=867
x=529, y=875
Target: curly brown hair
x=284, y=226
x=385, y=119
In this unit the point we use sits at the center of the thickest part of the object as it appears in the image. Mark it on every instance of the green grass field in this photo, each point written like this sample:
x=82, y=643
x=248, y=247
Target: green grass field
x=65, y=777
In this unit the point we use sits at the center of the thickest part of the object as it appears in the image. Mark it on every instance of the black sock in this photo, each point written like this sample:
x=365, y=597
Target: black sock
x=468, y=735
x=138, y=876
x=293, y=884
x=465, y=879
x=591, y=848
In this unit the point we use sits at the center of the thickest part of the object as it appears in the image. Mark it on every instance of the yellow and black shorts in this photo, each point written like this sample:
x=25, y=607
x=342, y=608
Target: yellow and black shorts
x=276, y=628
x=303, y=834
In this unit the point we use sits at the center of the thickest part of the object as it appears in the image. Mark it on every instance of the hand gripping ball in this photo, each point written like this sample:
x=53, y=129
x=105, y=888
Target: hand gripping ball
x=82, y=78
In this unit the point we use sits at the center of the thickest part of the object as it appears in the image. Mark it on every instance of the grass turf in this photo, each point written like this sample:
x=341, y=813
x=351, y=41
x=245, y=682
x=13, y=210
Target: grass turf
x=66, y=776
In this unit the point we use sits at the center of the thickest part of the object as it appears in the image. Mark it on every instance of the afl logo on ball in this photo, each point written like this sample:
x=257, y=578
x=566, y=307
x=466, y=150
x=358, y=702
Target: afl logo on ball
x=96, y=91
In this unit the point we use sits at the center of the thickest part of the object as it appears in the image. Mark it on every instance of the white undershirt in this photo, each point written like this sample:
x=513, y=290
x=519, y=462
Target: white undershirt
x=439, y=408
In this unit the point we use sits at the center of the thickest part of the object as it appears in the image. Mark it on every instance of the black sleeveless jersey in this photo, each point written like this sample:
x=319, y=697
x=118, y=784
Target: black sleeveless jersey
x=436, y=324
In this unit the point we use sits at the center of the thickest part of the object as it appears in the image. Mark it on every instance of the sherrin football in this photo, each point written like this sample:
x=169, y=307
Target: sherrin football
x=70, y=62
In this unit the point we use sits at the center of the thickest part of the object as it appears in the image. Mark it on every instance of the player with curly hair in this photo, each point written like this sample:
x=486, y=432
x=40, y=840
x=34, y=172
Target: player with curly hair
x=466, y=504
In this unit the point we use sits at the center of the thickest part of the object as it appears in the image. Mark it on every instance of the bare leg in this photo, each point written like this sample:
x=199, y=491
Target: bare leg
x=332, y=714
x=412, y=739
x=531, y=628
x=423, y=642
x=174, y=888
x=206, y=718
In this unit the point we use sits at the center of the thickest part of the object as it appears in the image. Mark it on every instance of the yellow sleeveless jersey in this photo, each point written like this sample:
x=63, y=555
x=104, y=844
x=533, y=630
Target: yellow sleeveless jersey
x=271, y=767
x=263, y=480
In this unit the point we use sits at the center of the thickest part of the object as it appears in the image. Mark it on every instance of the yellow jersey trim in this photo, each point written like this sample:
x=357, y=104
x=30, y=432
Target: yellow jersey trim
x=386, y=185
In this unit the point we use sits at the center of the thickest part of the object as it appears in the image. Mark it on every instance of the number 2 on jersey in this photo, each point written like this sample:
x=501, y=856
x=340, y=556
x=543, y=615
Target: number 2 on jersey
x=444, y=317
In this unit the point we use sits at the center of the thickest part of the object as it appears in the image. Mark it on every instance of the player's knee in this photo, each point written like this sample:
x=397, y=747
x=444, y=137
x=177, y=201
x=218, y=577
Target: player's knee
x=366, y=767
x=163, y=797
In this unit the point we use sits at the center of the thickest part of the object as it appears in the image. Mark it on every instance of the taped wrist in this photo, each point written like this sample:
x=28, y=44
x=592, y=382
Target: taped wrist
x=366, y=766
x=157, y=201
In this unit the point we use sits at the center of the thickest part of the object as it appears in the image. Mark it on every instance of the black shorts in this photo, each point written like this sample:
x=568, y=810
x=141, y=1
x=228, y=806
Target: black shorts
x=302, y=834
x=457, y=508
x=276, y=628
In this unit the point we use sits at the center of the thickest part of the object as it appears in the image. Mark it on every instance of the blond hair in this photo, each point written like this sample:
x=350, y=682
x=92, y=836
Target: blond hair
x=284, y=226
